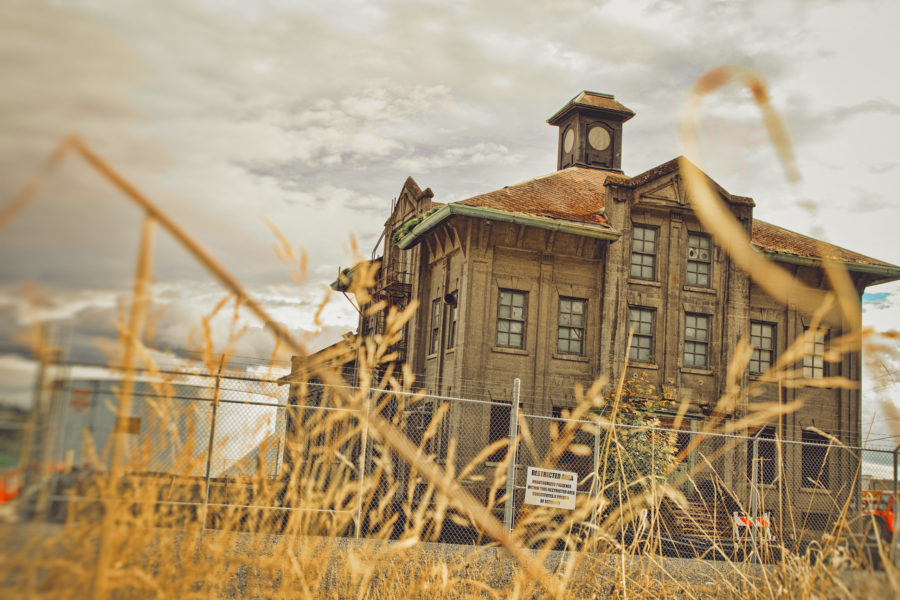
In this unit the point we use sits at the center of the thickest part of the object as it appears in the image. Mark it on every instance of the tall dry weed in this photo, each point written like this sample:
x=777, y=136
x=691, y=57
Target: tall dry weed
x=360, y=510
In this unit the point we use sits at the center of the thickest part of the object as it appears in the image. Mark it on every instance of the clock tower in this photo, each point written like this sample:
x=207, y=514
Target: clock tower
x=590, y=131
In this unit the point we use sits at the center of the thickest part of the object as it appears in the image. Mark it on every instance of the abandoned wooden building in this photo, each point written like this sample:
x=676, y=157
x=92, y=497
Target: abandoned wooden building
x=542, y=280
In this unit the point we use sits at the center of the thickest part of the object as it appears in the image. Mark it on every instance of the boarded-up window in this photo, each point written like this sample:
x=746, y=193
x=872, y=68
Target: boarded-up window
x=765, y=459
x=499, y=429
x=814, y=459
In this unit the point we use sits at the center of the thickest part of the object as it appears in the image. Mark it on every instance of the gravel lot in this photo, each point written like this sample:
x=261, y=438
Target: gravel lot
x=647, y=576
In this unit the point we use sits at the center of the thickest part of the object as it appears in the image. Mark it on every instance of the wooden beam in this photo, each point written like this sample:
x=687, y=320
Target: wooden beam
x=520, y=235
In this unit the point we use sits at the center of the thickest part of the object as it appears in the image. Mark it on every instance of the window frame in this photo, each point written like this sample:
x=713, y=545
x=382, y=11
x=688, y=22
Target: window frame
x=696, y=342
x=509, y=319
x=768, y=451
x=498, y=429
x=811, y=441
x=643, y=252
x=698, y=261
x=452, y=316
x=818, y=352
x=435, y=327
x=756, y=356
x=556, y=414
x=639, y=335
x=570, y=326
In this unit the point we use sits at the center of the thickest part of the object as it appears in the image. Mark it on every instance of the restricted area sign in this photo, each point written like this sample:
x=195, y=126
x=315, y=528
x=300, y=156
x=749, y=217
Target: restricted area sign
x=546, y=487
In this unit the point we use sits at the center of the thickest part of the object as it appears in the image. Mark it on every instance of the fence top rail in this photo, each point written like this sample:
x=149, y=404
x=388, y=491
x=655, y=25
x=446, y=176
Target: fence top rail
x=279, y=403
x=390, y=392
x=711, y=434
x=163, y=373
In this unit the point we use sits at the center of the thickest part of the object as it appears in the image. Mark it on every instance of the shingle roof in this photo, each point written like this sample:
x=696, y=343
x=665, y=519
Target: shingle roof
x=578, y=194
x=772, y=238
x=573, y=194
x=603, y=102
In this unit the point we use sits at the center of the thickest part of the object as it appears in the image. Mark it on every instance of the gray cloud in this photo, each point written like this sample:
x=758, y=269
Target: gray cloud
x=312, y=116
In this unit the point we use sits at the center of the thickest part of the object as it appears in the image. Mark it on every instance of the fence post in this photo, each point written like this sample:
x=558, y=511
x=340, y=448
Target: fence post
x=595, y=491
x=362, y=464
x=894, y=512
x=513, y=451
x=754, y=493
x=212, y=439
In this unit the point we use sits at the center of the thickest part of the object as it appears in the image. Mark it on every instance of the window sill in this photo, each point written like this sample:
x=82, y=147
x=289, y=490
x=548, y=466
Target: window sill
x=572, y=357
x=643, y=365
x=695, y=371
x=431, y=356
x=649, y=282
x=702, y=290
x=817, y=382
x=506, y=350
x=450, y=350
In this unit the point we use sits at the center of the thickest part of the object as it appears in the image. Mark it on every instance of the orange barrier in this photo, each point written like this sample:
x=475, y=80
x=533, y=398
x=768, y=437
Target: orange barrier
x=11, y=484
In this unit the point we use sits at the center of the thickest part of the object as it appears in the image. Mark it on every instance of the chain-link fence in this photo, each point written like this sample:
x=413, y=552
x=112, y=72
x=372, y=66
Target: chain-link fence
x=256, y=453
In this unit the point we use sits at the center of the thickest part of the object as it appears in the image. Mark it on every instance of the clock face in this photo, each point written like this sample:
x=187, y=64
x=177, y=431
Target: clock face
x=598, y=138
x=568, y=141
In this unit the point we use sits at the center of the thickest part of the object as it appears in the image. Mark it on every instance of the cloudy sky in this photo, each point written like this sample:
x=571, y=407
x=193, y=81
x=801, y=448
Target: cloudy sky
x=311, y=115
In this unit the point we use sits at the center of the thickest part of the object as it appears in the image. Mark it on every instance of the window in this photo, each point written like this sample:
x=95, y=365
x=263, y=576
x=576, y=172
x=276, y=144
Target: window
x=682, y=439
x=813, y=459
x=765, y=458
x=451, y=325
x=642, y=319
x=762, y=338
x=435, y=326
x=699, y=260
x=562, y=412
x=511, y=319
x=643, y=253
x=570, y=326
x=696, y=341
x=814, y=354
x=499, y=429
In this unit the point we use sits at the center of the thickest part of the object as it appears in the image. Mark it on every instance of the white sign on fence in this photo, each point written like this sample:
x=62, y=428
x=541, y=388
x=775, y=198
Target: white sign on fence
x=546, y=487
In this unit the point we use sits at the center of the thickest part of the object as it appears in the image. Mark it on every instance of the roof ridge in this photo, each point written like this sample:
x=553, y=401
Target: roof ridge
x=523, y=182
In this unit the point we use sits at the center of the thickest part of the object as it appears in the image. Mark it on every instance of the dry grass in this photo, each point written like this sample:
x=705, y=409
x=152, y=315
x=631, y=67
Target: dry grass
x=137, y=536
